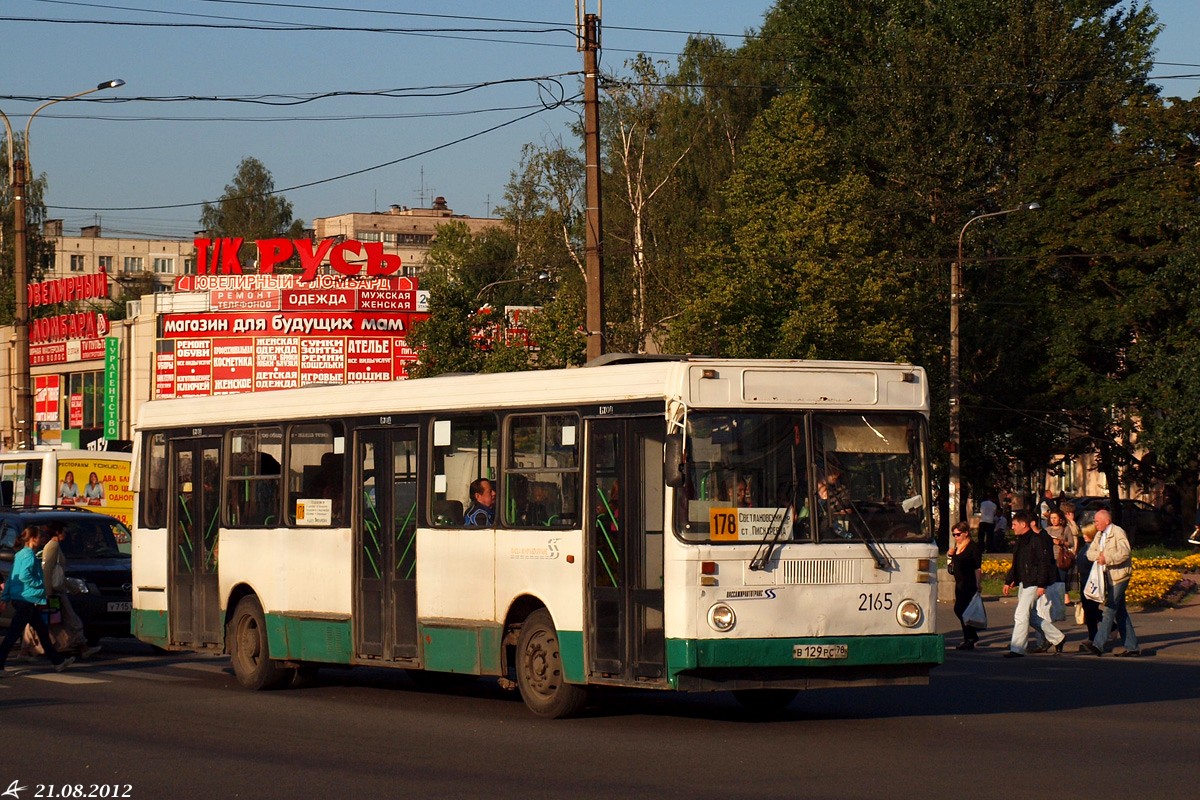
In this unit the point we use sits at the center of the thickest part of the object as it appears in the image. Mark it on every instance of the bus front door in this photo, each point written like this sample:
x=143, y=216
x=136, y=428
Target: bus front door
x=194, y=603
x=626, y=641
x=385, y=545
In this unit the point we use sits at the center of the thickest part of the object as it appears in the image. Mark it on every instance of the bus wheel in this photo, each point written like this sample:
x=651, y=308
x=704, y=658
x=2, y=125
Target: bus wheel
x=248, y=648
x=540, y=672
x=764, y=701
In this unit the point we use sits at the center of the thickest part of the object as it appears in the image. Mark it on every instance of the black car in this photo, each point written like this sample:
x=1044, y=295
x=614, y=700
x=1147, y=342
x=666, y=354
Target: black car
x=1141, y=521
x=94, y=559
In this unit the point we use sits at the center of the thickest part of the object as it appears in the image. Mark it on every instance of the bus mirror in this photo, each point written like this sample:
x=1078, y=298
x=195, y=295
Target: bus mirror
x=673, y=463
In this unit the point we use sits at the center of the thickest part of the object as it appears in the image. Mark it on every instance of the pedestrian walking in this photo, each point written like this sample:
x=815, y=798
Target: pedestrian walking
x=1032, y=571
x=1064, y=557
x=1091, y=609
x=1000, y=534
x=1111, y=549
x=25, y=590
x=964, y=562
x=987, y=523
x=1076, y=573
x=68, y=634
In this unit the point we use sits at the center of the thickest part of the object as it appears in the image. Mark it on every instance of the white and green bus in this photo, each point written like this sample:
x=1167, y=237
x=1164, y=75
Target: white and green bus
x=699, y=524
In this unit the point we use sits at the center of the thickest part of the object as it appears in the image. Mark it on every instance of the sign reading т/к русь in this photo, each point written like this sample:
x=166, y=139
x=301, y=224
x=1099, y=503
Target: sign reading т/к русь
x=220, y=257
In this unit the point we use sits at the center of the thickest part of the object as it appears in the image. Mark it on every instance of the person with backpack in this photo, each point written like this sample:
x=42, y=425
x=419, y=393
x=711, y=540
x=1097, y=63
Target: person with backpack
x=1032, y=571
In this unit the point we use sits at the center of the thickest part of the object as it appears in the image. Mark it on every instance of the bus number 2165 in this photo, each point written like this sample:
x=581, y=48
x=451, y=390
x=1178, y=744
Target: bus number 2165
x=875, y=601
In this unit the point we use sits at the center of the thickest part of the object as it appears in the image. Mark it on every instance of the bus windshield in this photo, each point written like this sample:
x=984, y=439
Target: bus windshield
x=817, y=476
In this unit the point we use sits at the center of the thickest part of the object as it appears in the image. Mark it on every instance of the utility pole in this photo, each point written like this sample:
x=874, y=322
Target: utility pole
x=589, y=42
x=23, y=440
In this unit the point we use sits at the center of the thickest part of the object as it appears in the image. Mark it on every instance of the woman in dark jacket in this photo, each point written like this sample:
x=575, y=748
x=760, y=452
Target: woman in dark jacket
x=964, y=563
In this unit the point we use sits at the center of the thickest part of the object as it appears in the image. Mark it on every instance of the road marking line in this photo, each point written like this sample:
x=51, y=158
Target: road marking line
x=59, y=677
x=198, y=667
x=145, y=676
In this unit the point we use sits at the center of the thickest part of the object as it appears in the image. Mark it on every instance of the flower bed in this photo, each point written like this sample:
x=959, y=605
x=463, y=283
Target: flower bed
x=1153, y=578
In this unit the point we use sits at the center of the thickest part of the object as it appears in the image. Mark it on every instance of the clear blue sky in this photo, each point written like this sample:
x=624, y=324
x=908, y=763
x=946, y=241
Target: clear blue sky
x=157, y=153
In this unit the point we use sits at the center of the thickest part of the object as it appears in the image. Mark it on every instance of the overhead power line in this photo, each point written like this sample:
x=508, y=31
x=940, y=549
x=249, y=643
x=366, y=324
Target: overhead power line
x=321, y=181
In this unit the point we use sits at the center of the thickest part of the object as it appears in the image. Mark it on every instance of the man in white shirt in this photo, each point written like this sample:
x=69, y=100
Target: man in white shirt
x=987, y=523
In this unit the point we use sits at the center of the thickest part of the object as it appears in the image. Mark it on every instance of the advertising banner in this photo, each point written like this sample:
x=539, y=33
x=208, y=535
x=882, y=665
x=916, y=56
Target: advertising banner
x=99, y=483
x=112, y=388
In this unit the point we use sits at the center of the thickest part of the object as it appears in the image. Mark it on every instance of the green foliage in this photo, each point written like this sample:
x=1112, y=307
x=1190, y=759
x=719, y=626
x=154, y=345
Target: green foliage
x=249, y=209
x=39, y=254
x=794, y=279
x=470, y=281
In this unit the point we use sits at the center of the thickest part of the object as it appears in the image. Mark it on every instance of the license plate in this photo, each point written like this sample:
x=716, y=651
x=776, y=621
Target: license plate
x=125, y=606
x=821, y=651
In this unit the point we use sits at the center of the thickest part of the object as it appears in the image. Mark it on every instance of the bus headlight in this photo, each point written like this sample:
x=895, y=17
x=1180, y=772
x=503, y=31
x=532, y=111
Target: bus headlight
x=908, y=613
x=721, y=618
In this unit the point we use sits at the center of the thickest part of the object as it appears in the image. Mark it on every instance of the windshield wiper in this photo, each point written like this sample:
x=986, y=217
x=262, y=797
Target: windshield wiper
x=767, y=546
x=882, y=560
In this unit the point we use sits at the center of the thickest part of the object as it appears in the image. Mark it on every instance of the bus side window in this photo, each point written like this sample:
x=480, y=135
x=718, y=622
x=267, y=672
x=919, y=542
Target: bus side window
x=542, y=483
x=253, y=483
x=464, y=450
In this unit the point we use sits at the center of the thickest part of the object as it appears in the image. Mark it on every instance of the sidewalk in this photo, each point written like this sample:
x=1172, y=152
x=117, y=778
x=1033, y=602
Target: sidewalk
x=1162, y=632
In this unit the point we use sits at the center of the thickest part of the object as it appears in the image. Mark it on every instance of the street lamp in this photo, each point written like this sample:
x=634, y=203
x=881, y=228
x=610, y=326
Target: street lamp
x=955, y=499
x=18, y=168
x=540, y=275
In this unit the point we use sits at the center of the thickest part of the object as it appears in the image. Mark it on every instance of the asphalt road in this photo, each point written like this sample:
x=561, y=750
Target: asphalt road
x=178, y=727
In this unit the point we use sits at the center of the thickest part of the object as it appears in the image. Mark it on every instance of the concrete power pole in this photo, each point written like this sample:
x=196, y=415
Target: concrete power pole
x=589, y=43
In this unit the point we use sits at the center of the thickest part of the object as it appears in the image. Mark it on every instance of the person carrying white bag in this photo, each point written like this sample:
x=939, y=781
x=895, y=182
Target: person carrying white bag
x=1111, y=552
x=964, y=562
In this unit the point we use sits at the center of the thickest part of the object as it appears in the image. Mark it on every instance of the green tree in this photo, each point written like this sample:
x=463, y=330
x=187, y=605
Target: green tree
x=39, y=254
x=250, y=209
x=953, y=109
x=792, y=278
x=471, y=279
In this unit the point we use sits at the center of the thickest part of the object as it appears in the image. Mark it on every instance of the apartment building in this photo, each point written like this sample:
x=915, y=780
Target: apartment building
x=121, y=257
x=407, y=232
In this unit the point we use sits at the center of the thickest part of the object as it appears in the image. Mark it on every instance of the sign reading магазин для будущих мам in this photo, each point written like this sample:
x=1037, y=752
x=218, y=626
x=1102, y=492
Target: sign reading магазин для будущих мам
x=233, y=331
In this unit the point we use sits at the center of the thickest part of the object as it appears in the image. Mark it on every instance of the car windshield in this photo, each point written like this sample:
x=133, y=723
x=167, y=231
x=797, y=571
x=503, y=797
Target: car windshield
x=92, y=538
x=804, y=477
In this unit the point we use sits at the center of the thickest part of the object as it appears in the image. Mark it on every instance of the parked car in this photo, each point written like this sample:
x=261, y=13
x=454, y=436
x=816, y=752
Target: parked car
x=1142, y=521
x=93, y=557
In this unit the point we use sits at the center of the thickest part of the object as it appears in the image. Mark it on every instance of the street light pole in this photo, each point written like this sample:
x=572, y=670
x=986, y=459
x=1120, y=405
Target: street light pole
x=540, y=275
x=18, y=168
x=955, y=498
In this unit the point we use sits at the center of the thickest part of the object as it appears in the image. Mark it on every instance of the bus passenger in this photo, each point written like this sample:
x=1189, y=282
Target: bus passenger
x=482, y=511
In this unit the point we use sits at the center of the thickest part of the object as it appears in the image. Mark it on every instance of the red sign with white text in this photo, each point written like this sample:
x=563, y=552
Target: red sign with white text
x=293, y=324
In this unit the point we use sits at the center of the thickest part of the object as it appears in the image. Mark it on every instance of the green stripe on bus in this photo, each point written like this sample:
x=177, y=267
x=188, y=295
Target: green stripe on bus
x=469, y=651
x=684, y=654
x=149, y=626
x=323, y=640
x=570, y=650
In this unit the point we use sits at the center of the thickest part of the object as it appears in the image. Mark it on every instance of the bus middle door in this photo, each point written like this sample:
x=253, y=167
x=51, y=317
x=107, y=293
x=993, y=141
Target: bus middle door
x=194, y=603
x=626, y=642
x=385, y=544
